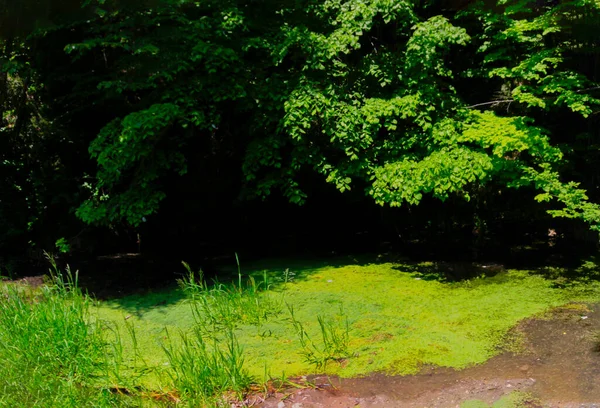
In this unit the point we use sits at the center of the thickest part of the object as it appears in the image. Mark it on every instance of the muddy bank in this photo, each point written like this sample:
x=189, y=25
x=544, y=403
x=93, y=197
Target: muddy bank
x=559, y=365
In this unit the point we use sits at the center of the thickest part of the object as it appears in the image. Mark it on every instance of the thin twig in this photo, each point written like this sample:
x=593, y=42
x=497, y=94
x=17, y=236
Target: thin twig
x=588, y=89
x=513, y=100
x=491, y=103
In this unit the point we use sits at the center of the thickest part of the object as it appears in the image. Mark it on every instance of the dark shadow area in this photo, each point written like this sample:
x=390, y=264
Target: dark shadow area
x=435, y=241
x=586, y=270
x=115, y=276
x=449, y=271
x=143, y=302
x=120, y=275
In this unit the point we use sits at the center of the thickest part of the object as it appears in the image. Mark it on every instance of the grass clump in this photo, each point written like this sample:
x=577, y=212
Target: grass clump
x=220, y=307
x=204, y=371
x=207, y=362
x=334, y=345
x=57, y=351
x=51, y=353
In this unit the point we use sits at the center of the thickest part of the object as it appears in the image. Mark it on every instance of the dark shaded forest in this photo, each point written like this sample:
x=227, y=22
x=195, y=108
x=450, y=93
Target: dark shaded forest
x=463, y=130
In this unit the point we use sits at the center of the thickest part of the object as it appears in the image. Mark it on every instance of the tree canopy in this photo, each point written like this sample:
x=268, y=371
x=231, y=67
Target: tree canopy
x=106, y=105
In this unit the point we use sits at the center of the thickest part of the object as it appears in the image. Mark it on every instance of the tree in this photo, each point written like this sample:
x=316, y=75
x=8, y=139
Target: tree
x=399, y=100
x=379, y=103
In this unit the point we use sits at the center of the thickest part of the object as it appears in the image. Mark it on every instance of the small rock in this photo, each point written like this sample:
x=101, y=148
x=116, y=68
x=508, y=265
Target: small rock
x=583, y=317
x=524, y=368
x=329, y=281
x=281, y=404
x=297, y=405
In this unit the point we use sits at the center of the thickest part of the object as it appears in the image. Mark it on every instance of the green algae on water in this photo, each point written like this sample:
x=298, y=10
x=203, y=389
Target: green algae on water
x=397, y=322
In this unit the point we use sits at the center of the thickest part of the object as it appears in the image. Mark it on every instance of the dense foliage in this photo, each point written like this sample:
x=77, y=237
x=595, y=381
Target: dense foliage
x=393, y=101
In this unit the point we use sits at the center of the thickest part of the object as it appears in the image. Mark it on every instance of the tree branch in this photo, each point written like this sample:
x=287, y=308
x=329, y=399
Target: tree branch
x=512, y=100
x=491, y=103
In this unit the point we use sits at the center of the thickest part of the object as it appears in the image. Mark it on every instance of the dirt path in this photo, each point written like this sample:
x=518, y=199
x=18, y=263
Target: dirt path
x=560, y=367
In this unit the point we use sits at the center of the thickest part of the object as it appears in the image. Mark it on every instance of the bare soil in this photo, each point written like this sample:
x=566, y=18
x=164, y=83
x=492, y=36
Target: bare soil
x=559, y=365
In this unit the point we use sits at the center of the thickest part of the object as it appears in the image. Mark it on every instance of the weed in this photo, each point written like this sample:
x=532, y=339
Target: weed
x=51, y=354
x=222, y=306
x=203, y=371
x=335, y=338
x=192, y=284
x=288, y=276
